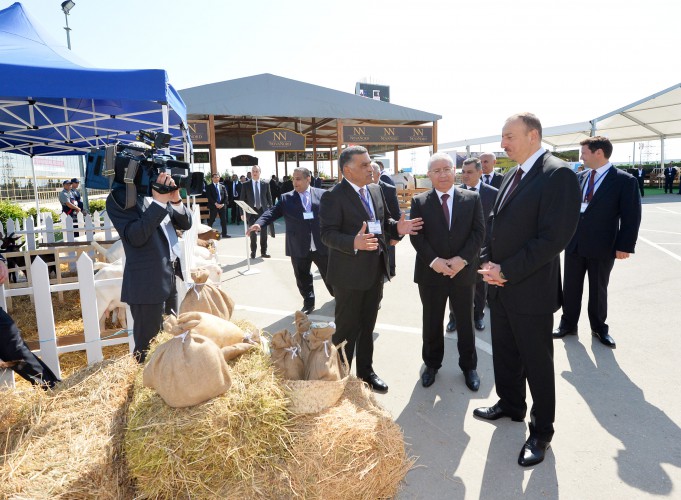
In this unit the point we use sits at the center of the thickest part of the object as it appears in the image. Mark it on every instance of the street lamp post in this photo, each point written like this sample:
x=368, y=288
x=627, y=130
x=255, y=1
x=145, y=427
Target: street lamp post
x=66, y=8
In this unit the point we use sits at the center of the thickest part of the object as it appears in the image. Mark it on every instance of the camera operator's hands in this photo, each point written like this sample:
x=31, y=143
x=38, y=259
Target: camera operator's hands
x=165, y=180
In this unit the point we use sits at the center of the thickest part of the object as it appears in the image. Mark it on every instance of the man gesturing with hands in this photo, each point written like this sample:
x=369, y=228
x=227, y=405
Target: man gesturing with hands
x=447, y=250
x=356, y=228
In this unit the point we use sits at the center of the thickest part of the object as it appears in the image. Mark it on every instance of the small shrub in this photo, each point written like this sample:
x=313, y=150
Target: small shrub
x=97, y=206
x=9, y=210
x=33, y=212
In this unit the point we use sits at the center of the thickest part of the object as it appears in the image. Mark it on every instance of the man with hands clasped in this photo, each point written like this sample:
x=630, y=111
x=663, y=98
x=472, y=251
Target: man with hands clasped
x=447, y=249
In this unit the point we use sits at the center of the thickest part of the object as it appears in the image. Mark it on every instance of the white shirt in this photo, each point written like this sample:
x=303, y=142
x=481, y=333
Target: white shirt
x=477, y=187
x=600, y=172
x=366, y=193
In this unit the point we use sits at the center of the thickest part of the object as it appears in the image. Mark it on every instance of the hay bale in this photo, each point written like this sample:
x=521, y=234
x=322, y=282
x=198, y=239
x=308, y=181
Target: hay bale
x=352, y=450
x=233, y=445
x=74, y=449
x=19, y=411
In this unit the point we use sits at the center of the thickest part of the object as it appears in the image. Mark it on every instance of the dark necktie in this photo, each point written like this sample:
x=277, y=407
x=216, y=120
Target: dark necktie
x=257, y=194
x=487, y=179
x=365, y=202
x=445, y=208
x=514, y=184
x=472, y=189
x=590, y=187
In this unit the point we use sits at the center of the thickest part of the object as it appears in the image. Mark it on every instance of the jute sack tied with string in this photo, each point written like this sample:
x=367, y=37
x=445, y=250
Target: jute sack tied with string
x=302, y=323
x=322, y=361
x=221, y=331
x=285, y=354
x=206, y=297
x=187, y=370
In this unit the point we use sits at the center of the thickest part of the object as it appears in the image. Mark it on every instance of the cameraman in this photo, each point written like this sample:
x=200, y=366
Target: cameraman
x=147, y=230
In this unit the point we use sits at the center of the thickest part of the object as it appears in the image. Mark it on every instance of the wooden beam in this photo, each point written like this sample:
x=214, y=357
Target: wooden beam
x=434, y=137
x=339, y=146
x=395, y=169
x=314, y=151
x=213, y=159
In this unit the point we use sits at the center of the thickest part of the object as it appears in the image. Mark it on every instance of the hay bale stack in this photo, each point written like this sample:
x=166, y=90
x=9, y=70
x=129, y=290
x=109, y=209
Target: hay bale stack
x=74, y=449
x=233, y=445
x=353, y=450
x=19, y=411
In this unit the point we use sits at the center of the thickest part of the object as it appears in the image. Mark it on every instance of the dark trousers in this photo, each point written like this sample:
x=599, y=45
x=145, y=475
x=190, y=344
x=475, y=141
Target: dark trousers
x=391, y=259
x=301, y=270
x=640, y=185
x=356, y=312
x=213, y=212
x=668, y=184
x=13, y=348
x=254, y=236
x=236, y=212
x=478, y=302
x=599, y=277
x=434, y=300
x=523, y=352
x=148, y=320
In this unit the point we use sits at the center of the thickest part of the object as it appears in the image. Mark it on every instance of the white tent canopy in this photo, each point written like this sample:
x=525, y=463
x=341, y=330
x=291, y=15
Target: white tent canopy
x=656, y=117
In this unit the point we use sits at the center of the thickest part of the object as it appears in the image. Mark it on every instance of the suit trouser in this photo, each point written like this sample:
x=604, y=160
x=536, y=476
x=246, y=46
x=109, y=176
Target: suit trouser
x=301, y=270
x=523, y=352
x=478, y=302
x=236, y=212
x=391, y=259
x=263, y=234
x=598, y=271
x=13, y=348
x=213, y=212
x=148, y=320
x=434, y=300
x=640, y=185
x=668, y=184
x=356, y=312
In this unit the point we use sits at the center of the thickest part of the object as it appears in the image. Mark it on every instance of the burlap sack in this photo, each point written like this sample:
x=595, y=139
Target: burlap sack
x=233, y=351
x=224, y=333
x=302, y=323
x=285, y=354
x=187, y=370
x=205, y=297
x=322, y=362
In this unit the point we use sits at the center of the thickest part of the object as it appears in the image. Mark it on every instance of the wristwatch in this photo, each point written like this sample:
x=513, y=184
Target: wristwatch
x=465, y=262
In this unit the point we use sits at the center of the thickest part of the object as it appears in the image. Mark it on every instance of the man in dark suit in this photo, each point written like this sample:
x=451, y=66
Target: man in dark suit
x=607, y=230
x=471, y=174
x=533, y=218
x=393, y=205
x=234, y=192
x=640, y=175
x=286, y=185
x=147, y=230
x=356, y=227
x=489, y=176
x=275, y=189
x=447, y=252
x=669, y=176
x=256, y=193
x=384, y=174
x=217, y=203
x=300, y=209
x=316, y=182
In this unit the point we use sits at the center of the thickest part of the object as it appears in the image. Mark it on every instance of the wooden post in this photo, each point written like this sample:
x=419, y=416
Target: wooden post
x=396, y=169
x=88, y=304
x=331, y=162
x=276, y=164
x=285, y=163
x=45, y=315
x=339, y=145
x=314, y=149
x=434, y=137
x=211, y=148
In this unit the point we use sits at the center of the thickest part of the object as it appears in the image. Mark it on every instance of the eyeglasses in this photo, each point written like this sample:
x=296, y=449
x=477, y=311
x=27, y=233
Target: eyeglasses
x=440, y=171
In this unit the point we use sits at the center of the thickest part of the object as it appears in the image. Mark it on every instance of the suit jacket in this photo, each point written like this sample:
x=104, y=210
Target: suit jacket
x=387, y=179
x=230, y=191
x=341, y=214
x=390, y=196
x=670, y=173
x=298, y=229
x=247, y=194
x=147, y=274
x=317, y=182
x=212, y=194
x=488, y=195
x=528, y=233
x=611, y=219
x=496, y=180
x=463, y=238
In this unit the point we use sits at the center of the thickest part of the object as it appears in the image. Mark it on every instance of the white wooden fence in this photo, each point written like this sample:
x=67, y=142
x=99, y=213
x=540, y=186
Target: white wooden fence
x=92, y=342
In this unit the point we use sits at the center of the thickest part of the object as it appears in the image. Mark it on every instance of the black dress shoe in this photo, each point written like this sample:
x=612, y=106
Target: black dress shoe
x=561, y=332
x=533, y=451
x=226, y=235
x=265, y=255
x=472, y=380
x=428, y=376
x=307, y=309
x=375, y=383
x=479, y=324
x=494, y=413
x=605, y=339
x=252, y=255
x=451, y=326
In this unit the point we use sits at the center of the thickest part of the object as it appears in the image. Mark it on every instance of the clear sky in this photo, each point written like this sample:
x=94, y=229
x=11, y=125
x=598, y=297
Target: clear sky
x=474, y=62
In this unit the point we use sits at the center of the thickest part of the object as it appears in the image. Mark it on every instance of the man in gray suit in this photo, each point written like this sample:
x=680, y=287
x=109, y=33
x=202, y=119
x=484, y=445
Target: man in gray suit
x=256, y=193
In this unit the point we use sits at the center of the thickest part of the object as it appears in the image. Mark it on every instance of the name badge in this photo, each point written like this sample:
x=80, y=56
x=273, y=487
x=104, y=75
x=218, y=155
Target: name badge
x=308, y=215
x=374, y=227
x=583, y=208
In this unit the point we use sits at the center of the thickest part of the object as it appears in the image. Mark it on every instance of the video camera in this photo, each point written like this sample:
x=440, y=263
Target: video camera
x=137, y=166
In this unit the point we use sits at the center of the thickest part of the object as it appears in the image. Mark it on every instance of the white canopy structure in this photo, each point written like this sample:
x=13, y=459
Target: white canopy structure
x=656, y=117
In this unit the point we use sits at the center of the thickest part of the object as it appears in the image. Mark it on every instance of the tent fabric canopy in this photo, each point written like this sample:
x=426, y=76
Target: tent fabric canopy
x=53, y=103
x=653, y=118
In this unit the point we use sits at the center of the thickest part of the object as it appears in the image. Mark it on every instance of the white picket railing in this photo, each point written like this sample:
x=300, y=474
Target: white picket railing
x=93, y=342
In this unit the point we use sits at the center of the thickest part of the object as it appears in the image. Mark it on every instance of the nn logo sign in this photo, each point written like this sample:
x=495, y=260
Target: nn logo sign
x=392, y=135
x=279, y=139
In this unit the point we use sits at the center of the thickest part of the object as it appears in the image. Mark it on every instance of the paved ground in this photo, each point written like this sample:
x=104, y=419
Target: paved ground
x=619, y=411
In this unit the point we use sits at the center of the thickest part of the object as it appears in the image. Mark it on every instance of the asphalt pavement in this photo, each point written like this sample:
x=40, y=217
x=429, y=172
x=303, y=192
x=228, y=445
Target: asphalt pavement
x=618, y=411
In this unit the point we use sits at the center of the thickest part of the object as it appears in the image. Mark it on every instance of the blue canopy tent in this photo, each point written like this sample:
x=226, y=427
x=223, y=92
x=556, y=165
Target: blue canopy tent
x=52, y=103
